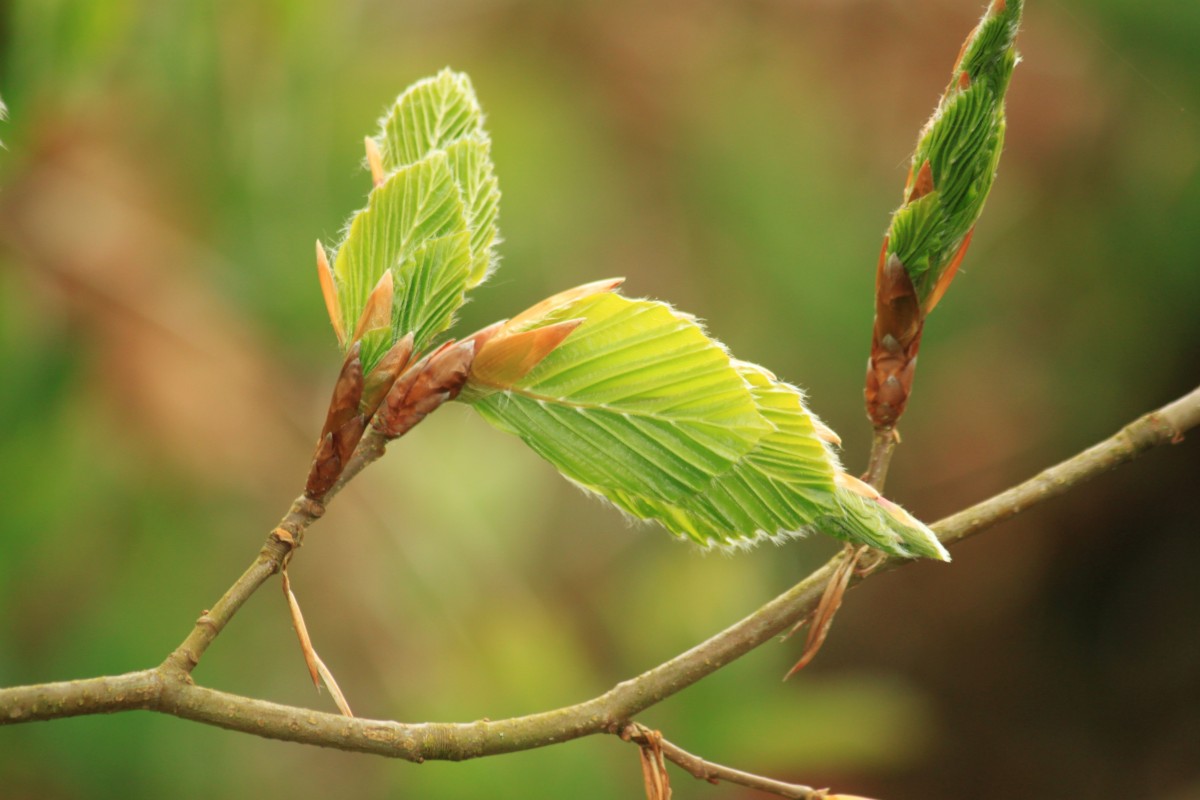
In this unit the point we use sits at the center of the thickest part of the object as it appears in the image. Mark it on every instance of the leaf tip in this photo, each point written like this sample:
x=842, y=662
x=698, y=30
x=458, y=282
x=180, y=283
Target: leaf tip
x=554, y=302
x=374, y=161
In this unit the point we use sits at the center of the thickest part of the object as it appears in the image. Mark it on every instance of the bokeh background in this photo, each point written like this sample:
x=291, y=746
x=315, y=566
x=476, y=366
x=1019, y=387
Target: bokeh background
x=165, y=361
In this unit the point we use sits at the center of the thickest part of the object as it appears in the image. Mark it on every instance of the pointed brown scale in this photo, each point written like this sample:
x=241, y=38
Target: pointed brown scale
x=347, y=391
x=948, y=274
x=448, y=369
x=380, y=380
x=825, y=433
x=432, y=381
x=859, y=487
x=964, y=81
x=998, y=7
x=504, y=360
x=343, y=408
x=896, y=339
x=896, y=303
x=325, y=468
x=346, y=438
x=544, y=308
x=377, y=313
x=923, y=183
x=962, y=51
x=329, y=292
x=485, y=335
x=375, y=162
x=898, y=513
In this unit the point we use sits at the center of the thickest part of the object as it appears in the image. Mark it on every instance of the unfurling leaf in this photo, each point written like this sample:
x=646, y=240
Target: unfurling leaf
x=641, y=407
x=442, y=113
x=952, y=171
x=430, y=220
x=955, y=161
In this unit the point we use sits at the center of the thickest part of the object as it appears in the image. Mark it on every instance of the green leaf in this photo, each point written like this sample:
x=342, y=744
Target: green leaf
x=430, y=115
x=430, y=221
x=443, y=114
x=470, y=159
x=416, y=205
x=638, y=402
x=961, y=143
x=436, y=274
x=641, y=407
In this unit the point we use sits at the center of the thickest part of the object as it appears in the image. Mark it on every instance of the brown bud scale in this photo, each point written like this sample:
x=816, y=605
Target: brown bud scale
x=895, y=341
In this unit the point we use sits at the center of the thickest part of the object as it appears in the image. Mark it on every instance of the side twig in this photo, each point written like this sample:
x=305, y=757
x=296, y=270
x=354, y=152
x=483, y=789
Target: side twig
x=715, y=773
x=883, y=445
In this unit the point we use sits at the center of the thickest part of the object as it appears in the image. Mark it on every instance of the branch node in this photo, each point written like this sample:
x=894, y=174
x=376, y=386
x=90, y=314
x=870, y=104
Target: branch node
x=285, y=537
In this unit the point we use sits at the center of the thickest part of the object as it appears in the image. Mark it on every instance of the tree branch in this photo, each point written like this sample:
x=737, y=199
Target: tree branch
x=1164, y=426
x=169, y=688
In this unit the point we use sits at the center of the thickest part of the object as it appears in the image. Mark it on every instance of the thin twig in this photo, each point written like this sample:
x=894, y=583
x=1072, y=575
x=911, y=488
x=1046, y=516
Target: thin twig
x=714, y=773
x=170, y=690
x=281, y=541
x=883, y=445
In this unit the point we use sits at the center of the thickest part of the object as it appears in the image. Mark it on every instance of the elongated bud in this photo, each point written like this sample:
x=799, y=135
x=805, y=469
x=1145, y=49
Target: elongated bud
x=952, y=171
x=379, y=382
x=347, y=392
x=915, y=538
x=895, y=342
x=432, y=381
x=344, y=426
x=329, y=292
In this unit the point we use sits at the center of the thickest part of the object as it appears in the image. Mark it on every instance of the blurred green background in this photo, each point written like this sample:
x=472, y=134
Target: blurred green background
x=166, y=361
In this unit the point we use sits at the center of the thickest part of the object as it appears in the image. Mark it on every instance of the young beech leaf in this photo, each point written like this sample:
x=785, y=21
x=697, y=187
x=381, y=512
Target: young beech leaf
x=442, y=113
x=430, y=115
x=415, y=206
x=641, y=407
x=956, y=157
x=638, y=401
x=472, y=164
x=430, y=220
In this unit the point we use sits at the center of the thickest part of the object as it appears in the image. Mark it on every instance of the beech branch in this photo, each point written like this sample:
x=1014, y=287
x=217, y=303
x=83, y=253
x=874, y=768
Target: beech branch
x=169, y=688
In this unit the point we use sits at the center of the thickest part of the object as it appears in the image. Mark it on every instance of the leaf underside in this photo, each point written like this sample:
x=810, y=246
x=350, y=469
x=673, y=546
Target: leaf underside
x=641, y=407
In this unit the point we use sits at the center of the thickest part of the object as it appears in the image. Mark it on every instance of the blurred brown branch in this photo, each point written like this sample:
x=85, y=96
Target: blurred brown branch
x=169, y=688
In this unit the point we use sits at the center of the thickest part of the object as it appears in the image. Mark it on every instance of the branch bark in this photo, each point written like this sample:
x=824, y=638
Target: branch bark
x=169, y=688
